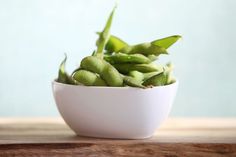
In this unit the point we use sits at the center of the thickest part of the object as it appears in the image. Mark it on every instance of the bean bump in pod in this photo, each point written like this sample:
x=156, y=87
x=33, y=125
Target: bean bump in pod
x=88, y=78
x=106, y=71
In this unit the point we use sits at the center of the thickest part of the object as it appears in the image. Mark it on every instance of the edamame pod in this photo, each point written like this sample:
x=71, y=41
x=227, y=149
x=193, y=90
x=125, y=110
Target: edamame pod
x=126, y=68
x=88, y=78
x=130, y=81
x=145, y=49
x=166, y=42
x=94, y=64
x=127, y=58
x=114, y=44
x=170, y=79
x=156, y=80
x=162, y=78
x=137, y=75
x=63, y=77
x=143, y=76
x=152, y=57
x=104, y=36
x=106, y=71
x=151, y=74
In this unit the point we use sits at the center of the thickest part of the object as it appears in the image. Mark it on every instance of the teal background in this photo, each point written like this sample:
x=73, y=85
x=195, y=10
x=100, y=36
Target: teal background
x=34, y=34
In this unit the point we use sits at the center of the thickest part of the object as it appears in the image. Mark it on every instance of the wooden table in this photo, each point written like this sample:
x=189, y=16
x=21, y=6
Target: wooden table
x=176, y=137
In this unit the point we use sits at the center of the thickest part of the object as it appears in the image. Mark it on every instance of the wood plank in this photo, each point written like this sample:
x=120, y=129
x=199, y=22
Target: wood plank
x=136, y=150
x=176, y=137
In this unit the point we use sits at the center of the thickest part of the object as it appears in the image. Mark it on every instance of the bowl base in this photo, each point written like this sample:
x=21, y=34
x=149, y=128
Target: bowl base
x=114, y=137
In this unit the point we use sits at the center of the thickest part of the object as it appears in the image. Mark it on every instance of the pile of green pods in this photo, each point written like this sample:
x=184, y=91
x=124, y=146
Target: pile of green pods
x=116, y=63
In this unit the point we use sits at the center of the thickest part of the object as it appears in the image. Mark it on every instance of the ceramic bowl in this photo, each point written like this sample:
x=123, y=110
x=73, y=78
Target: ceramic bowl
x=114, y=112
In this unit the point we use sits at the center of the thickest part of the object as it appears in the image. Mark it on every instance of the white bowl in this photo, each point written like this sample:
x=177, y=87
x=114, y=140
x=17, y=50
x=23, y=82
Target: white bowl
x=114, y=112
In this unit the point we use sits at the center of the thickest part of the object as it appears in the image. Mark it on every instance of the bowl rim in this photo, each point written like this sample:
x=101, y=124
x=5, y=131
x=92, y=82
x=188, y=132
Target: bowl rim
x=108, y=87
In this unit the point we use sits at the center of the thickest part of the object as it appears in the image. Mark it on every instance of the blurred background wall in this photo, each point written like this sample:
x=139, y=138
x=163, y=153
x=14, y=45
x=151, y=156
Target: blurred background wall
x=34, y=34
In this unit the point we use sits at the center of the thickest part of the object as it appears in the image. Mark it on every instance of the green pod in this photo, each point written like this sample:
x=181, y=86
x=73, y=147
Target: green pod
x=173, y=80
x=126, y=68
x=94, y=64
x=104, y=36
x=145, y=49
x=143, y=76
x=130, y=81
x=166, y=42
x=158, y=80
x=151, y=74
x=106, y=71
x=63, y=77
x=112, y=76
x=115, y=44
x=170, y=78
x=88, y=78
x=127, y=58
x=152, y=57
x=137, y=75
x=93, y=54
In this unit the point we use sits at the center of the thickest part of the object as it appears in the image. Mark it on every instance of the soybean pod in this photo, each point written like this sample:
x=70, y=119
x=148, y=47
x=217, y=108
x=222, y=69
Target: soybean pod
x=88, y=78
x=166, y=42
x=104, y=36
x=126, y=68
x=107, y=72
x=156, y=80
x=143, y=76
x=152, y=57
x=145, y=49
x=155, y=47
x=63, y=76
x=137, y=75
x=130, y=81
x=114, y=44
x=127, y=58
x=170, y=78
x=160, y=79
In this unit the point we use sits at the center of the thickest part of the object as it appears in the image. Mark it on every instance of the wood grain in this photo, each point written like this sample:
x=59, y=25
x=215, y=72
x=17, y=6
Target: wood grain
x=176, y=137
